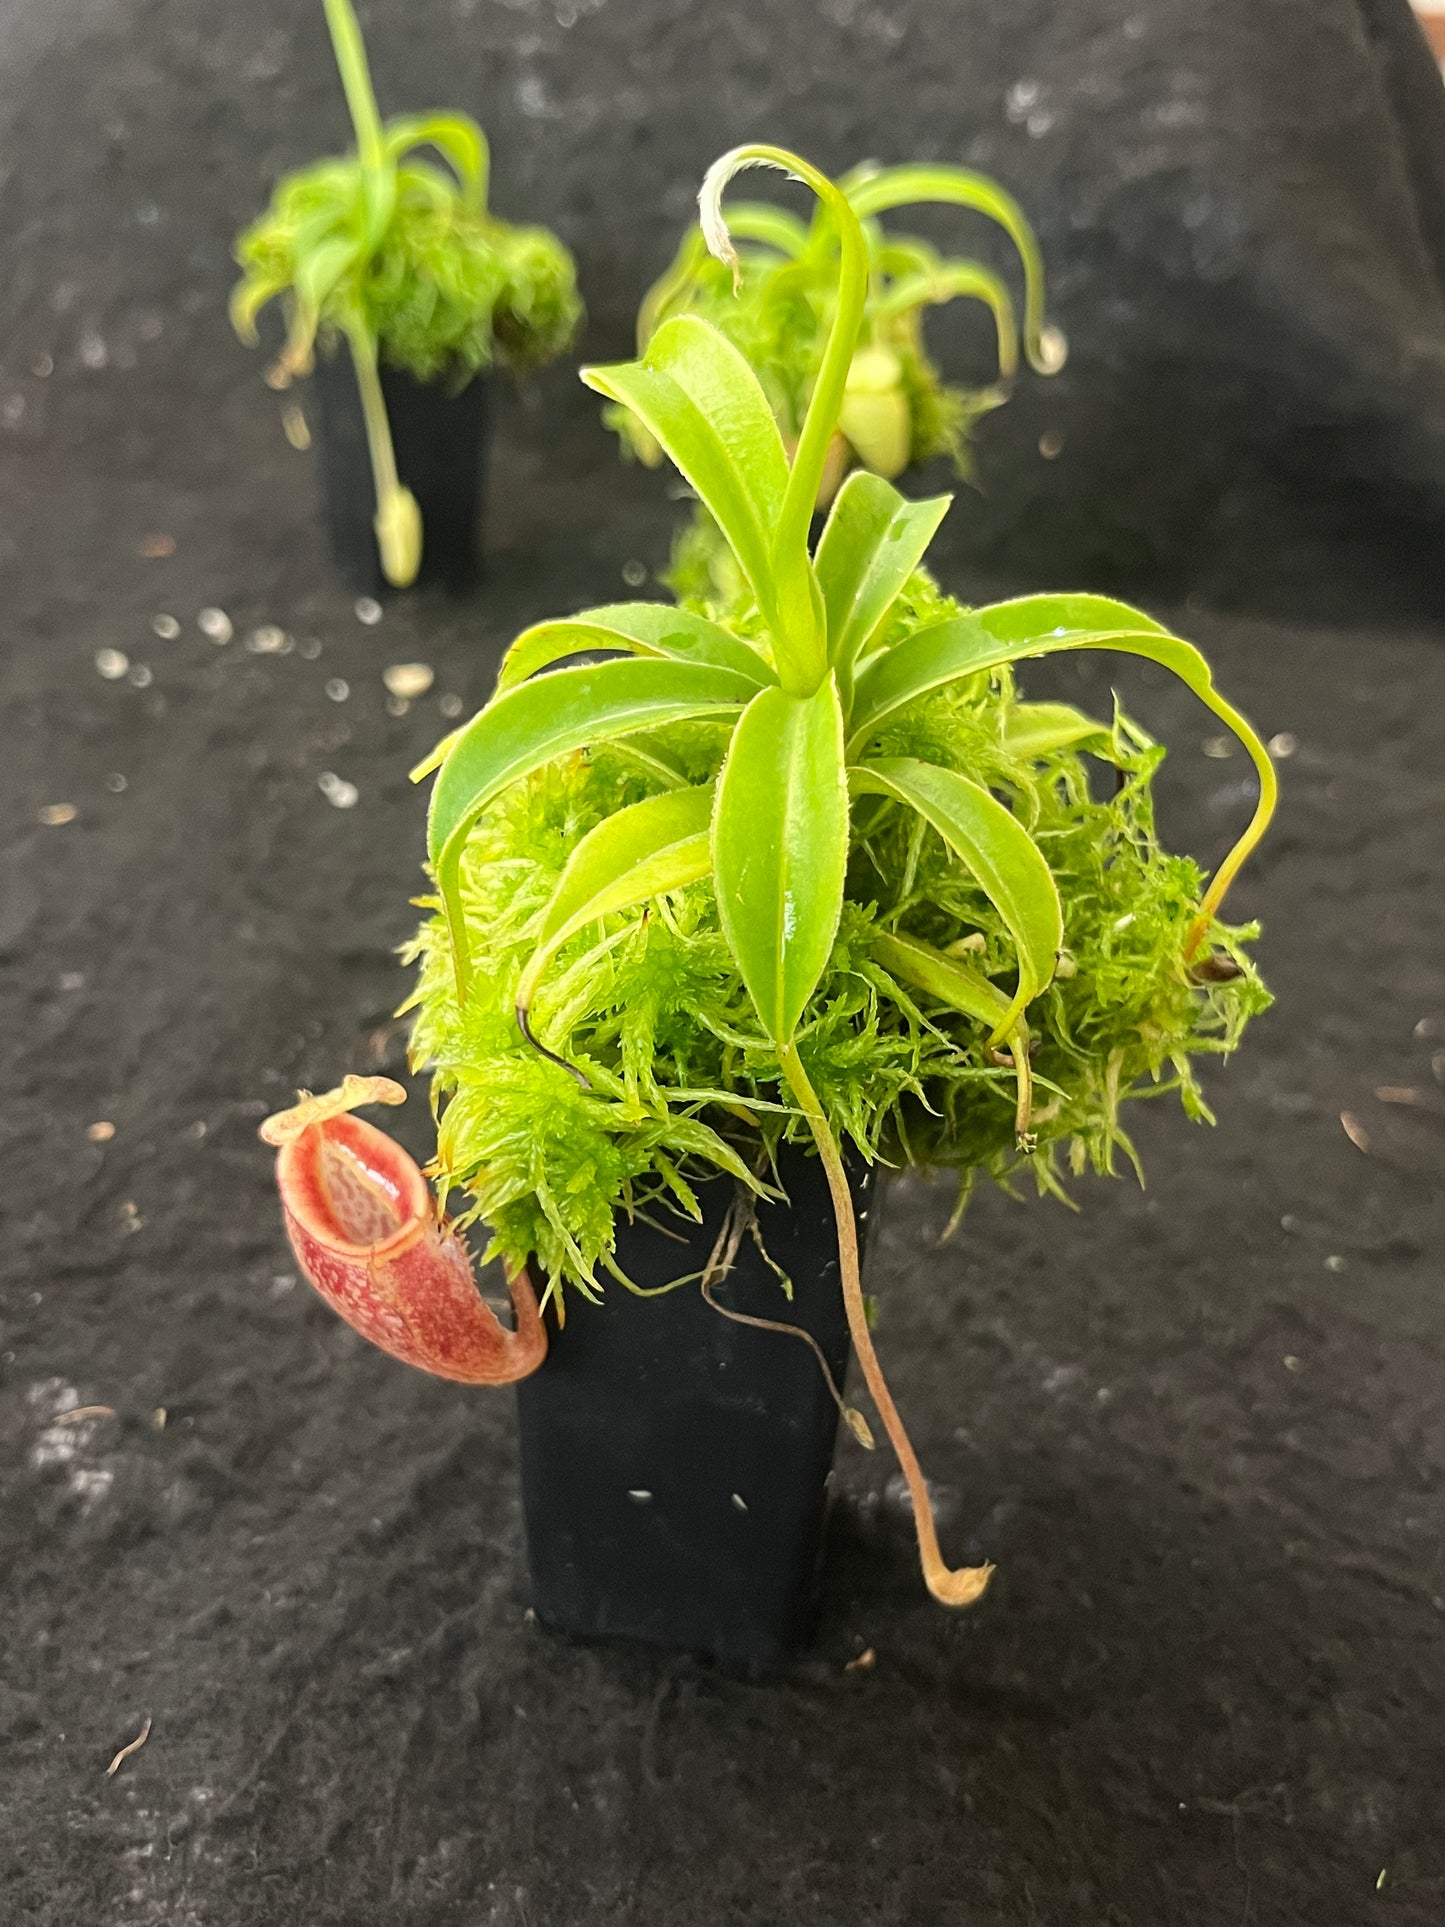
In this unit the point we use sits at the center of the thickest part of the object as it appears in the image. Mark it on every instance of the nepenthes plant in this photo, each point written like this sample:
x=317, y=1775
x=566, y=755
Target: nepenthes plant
x=403, y=261
x=806, y=869
x=897, y=410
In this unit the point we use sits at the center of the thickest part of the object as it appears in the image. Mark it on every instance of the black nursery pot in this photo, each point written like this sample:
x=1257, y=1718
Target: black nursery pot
x=674, y=1463
x=440, y=439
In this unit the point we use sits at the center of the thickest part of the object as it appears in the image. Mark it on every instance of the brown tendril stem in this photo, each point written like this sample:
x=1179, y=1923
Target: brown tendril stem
x=951, y=1586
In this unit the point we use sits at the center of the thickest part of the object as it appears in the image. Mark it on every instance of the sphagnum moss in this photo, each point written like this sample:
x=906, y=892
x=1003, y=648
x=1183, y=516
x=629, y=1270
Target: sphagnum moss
x=649, y=1003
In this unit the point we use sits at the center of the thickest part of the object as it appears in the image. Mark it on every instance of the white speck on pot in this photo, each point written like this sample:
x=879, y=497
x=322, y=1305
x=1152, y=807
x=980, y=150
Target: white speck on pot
x=116, y=783
x=1219, y=747
x=368, y=610
x=101, y=1132
x=269, y=640
x=216, y=624
x=309, y=648
x=1282, y=745
x=639, y=1496
x=1051, y=444
x=43, y=367
x=450, y=706
x=338, y=689
x=55, y=815
x=93, y=352
x=397, y=705
x=166, y=627
x=1336, y=1263
x=72, y=980
x=740, y=1502
x=139, y=675
x=112, y=663
x=283, y=1282
x=340, y=794
x=1039, y=122
x=1019, y=99
x=634, y=574
x=408, y=679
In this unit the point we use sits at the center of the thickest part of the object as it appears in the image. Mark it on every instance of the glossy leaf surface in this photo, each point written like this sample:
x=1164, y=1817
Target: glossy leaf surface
x=697, y=396
x=529, y=725
x=780, y=848
x=643, y=851
x=638, y=628
x=873, y=541
x=996, y=848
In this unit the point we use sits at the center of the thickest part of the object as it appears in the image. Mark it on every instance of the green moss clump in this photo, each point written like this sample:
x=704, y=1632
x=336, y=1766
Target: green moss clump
x=649, y=1004
x=449, y=289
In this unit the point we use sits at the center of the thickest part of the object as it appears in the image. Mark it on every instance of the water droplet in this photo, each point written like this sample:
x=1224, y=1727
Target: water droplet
x=1051, y=445
x=116, y=783
x=269, y=640
x=166, y=627
x=139, y=674
x=634, y=574
x=368, y=610
x=308, y=648
x=112, y=663
x=1218, y=747
x=409, y=679
x=72, y=980
x=450, y=706
x=43, y=367
x=101, y=1132
x=340, y=794
x=1283, y=745
x=397, y=705
x=93, y=352
x=1019, y=99
x=216, y=624
x=54, y=815
x=338, y=689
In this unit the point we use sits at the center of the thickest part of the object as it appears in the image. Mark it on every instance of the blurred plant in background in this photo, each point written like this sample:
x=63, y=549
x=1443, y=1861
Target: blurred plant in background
x=402, y=259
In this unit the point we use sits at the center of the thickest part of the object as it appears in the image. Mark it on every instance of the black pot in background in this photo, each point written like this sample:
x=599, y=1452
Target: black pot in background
x=675, y=1464
x=440, y=440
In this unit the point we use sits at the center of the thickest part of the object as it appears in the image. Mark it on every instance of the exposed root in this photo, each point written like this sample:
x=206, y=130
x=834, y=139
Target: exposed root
x=742, y=1217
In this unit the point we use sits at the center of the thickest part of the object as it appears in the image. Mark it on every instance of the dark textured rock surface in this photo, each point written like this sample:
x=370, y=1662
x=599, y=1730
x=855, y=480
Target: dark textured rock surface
x=1198, y=1427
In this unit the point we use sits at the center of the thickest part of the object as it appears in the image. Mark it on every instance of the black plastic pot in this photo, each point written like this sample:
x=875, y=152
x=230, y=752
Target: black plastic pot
x=675, y=1464
x=440, y=440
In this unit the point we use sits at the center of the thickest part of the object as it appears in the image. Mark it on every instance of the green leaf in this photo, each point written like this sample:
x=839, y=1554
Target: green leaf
x=958, y=985
x=641, y=629
x=1034, y=617
x=769, y=226
x=960, y=187
x=527, y=726
x=995, y=846
x=640, y=852
x=873, y=541
x=928, y=659
x=699, y=398
x=320, y=269
x=780, y=848
x=1038, y=729
x=1008, y=632
x=456, y=137
x=949, y=979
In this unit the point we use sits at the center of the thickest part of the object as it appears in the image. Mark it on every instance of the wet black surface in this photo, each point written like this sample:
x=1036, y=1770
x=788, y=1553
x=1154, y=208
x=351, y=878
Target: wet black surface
x=1199, y=1427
